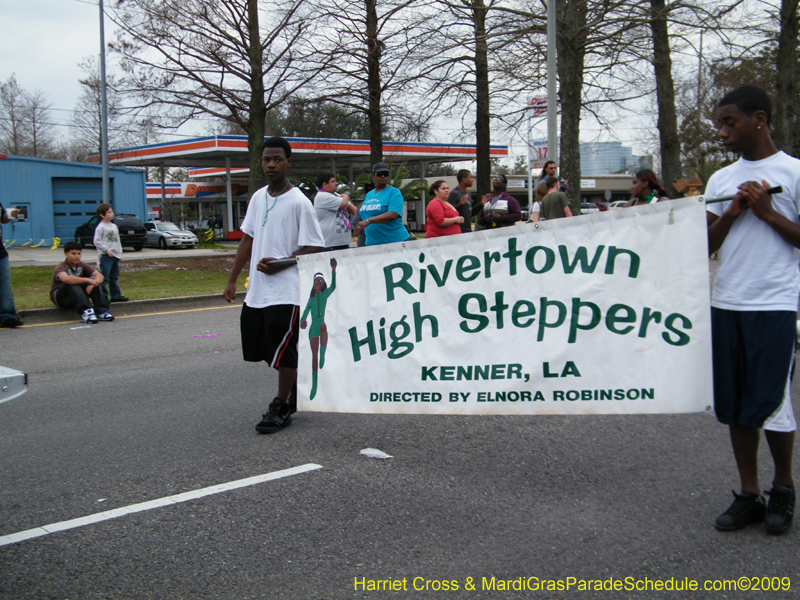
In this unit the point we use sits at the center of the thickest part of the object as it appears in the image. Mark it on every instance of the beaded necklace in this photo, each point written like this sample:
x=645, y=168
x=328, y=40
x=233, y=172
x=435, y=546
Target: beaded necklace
x=266, y=202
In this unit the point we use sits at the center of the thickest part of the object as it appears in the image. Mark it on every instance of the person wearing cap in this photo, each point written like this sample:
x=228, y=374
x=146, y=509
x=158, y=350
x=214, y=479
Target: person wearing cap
x=382, y=211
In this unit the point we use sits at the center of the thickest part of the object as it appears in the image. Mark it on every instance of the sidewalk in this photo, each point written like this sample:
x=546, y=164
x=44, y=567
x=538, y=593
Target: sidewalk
x=26, y=257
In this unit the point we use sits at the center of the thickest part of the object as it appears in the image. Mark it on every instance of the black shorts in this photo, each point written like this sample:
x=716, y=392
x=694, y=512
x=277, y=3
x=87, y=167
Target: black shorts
x=753, y=358
x=270, y=334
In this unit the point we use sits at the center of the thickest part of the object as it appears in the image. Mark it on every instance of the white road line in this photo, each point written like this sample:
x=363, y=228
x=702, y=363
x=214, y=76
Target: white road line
x=166, y=501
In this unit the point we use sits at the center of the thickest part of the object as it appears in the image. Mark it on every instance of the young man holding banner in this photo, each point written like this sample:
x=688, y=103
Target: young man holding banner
x=754, y=305
x=280, y=223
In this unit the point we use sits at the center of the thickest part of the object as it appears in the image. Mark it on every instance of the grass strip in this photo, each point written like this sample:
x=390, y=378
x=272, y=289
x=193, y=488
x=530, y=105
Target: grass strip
x=139, y=280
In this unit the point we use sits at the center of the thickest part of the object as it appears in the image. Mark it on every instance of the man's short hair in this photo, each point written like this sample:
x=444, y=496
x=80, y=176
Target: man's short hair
x=551, y=181
x=71, y=246
x=103, y=209
x=749, y=99
x=276, y=142
x=323, y=178
x=463, y=174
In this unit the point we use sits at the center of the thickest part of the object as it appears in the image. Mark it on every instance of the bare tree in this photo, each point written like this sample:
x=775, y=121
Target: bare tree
x=473, y=72
x=87, y=116
x=25, y=127
x=12, y=123
x=595, y=63
x=301, y=117
x=757, y=50
x=678, y=20
x=214, y=57
x=786, y=79
x=36, y=112
x=665, y=96
x=571, y=44
x=368, y=52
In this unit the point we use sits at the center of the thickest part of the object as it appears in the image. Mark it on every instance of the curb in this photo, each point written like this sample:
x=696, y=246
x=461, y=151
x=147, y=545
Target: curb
x=45, y=315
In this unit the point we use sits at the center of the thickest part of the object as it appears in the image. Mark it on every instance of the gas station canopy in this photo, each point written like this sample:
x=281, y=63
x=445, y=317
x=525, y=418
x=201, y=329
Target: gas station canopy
x=309, y=155
x=222, y=157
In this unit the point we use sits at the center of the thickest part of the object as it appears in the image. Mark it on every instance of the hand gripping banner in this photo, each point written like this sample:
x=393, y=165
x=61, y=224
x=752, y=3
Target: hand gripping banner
x=599, y=314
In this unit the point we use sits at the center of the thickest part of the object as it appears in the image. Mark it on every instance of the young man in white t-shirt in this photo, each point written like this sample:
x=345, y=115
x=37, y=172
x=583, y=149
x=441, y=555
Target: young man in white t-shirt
x=333, y=212
x=280, y=223
x=754, y=305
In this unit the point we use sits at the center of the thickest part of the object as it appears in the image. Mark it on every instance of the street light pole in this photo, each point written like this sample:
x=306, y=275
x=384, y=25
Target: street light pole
x=104, y=110
x=552, y=102
x=530, y=168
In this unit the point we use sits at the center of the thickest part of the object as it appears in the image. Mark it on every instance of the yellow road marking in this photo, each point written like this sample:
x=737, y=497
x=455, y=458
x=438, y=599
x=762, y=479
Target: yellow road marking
x=169, y=312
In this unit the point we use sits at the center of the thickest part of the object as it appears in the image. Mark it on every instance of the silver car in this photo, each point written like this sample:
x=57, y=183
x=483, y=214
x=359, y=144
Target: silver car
x=164, y=234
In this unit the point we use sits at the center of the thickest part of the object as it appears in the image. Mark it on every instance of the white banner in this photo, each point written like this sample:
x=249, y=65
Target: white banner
x=602, y=313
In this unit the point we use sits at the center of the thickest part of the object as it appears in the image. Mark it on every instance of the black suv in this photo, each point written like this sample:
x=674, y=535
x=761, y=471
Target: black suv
x=131, y=231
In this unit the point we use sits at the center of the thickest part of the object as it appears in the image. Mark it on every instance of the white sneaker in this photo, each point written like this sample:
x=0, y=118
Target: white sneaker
x=88, y=316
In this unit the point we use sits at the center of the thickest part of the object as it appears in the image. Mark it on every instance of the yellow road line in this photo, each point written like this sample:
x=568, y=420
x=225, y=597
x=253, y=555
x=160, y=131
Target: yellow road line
x=169, y=312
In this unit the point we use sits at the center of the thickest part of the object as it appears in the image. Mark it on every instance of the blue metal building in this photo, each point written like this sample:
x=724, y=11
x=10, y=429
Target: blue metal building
x=55, y=197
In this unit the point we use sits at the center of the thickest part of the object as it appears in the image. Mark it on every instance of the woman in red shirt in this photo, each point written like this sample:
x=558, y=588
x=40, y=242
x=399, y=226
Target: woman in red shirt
x=442, y=218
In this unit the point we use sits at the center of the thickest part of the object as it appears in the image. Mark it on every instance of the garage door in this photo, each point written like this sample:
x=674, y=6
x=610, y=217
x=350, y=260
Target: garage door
x=75, y=201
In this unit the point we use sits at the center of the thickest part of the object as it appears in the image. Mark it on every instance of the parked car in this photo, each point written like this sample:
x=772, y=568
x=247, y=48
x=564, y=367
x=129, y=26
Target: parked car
x=589, y=207
x=131, y=231
x=163, y=234
x=618, y=204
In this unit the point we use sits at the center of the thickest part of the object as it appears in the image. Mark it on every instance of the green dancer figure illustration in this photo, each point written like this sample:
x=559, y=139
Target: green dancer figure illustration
x=318, y=332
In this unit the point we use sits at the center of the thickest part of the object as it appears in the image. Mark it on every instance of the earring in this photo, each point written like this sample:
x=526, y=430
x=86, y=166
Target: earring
x=759, y=126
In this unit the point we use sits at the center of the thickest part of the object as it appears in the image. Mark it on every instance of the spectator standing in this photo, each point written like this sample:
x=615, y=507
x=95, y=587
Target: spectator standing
x=555, y=204
x=460, y=199
x=442, y=217
x=77, y=285
x=280, y=223
x=645, y=189
x=500, y=209
x=382, y=210
x=754, y=305
x=333, y=211
x=536, y=210
x=8, y=310
x=549, y=170
x=109, y=253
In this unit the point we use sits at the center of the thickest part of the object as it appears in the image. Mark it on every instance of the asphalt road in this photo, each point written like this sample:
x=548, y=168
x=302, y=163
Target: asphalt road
x=140, y=409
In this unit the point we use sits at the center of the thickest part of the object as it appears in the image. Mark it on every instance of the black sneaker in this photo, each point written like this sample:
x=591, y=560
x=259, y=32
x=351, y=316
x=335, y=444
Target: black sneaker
x=11, y=323
x=276, y=418
x=120, y=299
x=780, y=510
x=746, y=509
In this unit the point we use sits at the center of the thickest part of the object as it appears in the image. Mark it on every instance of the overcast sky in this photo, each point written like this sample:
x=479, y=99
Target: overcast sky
x=43, y=41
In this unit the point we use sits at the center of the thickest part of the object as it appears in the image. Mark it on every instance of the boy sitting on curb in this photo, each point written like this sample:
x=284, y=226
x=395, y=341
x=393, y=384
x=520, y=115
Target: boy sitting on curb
x=77, y=285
